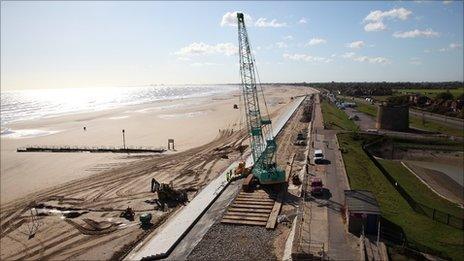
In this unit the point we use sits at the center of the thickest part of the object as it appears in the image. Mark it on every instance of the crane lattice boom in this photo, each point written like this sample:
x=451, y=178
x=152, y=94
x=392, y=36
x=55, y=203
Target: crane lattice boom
x=263, y=145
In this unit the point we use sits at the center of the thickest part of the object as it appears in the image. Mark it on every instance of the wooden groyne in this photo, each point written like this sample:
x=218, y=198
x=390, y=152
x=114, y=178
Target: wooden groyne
x=69, y=149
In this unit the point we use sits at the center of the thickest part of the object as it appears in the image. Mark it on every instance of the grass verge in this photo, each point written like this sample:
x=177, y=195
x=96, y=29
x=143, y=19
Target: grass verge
x=368, y=109
x=416, y=122
x=335, y=118
x=418, y=190
x=363, y=174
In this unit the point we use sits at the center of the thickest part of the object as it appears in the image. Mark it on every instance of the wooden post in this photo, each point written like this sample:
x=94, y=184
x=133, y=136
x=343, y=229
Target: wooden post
x=123, y=139
x=170, y=141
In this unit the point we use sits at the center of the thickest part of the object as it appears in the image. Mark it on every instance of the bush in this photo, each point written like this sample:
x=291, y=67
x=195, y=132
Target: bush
x=398, y=100
x=445, y=96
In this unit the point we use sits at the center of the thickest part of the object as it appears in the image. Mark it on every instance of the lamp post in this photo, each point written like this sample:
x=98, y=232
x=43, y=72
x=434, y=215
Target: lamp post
x=123, y=139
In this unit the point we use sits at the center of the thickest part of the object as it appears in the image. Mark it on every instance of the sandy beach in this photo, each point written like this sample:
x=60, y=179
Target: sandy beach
x=97, y=187
x=190, y=122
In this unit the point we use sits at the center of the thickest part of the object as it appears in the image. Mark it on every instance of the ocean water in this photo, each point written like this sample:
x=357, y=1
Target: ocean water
x=35, y=104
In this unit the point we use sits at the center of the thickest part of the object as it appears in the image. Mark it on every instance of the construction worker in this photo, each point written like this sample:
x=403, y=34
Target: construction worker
x=153, y=181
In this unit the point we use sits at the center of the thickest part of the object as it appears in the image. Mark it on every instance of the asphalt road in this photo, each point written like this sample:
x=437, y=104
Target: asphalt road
x=365, y=121
x=341, y=244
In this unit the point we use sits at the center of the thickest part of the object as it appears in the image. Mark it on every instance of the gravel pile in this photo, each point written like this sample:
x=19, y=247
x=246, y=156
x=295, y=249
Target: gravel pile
x=232, y=242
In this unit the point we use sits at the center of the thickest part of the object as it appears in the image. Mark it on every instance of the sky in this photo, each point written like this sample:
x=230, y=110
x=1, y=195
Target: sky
x=69, y=44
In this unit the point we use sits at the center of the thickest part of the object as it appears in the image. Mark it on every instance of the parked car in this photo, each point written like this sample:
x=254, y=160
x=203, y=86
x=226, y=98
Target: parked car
x=318, y=156
x=316, y=187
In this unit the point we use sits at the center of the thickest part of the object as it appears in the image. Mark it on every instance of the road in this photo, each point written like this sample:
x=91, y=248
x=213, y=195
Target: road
x=340, y=244
x=365, y=121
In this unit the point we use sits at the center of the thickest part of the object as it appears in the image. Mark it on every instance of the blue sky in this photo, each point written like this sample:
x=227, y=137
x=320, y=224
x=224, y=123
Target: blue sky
x=94, y=44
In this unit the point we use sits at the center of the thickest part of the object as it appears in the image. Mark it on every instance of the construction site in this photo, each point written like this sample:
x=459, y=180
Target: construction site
x=274, y=187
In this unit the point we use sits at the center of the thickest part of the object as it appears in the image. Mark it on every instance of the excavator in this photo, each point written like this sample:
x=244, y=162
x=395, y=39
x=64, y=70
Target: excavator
x=167, y=195
x=262, y=142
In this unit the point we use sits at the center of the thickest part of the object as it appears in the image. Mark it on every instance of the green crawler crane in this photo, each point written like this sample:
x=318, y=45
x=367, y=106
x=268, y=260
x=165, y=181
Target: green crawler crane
x=263, y=144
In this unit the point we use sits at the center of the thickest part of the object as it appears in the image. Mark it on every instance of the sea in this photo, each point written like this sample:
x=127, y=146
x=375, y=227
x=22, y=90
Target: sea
x=31, y=104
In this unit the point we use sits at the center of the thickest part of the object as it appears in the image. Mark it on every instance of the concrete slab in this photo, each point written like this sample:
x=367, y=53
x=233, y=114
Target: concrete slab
x=189, y=242
x=162, y=243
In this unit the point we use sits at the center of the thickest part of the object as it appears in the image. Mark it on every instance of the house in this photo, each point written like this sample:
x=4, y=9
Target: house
x=362, y=211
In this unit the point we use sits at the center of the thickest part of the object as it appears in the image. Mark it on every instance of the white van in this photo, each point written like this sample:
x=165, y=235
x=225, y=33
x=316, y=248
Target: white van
x=318, y=156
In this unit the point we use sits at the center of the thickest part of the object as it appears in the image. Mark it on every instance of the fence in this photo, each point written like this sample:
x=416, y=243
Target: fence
x=432, y=213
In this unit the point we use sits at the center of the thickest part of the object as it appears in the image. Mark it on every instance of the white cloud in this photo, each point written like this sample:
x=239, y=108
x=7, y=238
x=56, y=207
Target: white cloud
x=306, y=58
x=303, y=21
x=447, y=2
x=381, y=60
x=416, y=33
x=374, y=27
x=355, y=44
x=354, y=57
x=203, y=64
x=288, y=37
x=263, y=22
x=375, y=18
x=316, y=41
x=455, y=46
x=230, y=19
x=415, y=61
x=451, y=47
x=281, y=45
x=348, y=55
x=196, y=49
x=396, y=13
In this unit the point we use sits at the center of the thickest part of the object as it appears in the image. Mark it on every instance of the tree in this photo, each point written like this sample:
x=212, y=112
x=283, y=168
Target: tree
x=445, y=96
x=398, y=100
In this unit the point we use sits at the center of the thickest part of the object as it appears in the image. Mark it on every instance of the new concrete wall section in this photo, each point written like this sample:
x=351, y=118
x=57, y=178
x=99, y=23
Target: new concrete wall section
x=161, y=244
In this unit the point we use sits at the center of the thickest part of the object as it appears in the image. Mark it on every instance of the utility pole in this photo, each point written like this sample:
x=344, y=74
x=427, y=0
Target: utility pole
x=123, y=139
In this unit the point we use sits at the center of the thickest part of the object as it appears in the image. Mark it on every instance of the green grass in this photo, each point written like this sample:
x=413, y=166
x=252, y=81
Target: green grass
x=363, y=174
x=418, y=190
x=431, y=93
x=430, y=144
x=368, y=109
x=428, y=125
x=335, y=118
x=414, y=121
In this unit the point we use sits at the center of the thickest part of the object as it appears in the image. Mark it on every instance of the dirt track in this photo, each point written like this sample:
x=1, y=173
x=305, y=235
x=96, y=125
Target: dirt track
x=102, y=197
